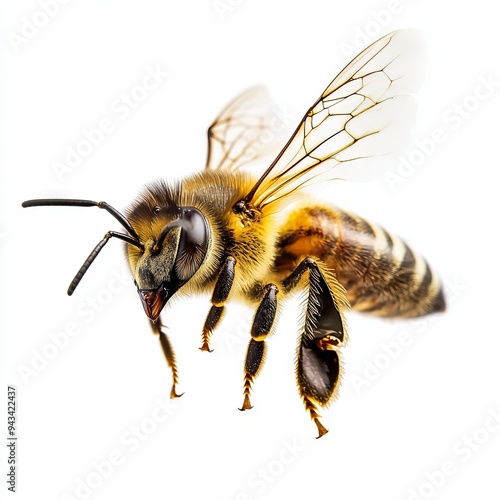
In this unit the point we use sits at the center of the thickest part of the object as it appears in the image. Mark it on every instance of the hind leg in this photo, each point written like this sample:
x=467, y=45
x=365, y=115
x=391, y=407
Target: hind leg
x=322, y=335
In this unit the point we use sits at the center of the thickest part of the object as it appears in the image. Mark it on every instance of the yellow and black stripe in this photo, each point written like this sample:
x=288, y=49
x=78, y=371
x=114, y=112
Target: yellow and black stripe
x=382, y=275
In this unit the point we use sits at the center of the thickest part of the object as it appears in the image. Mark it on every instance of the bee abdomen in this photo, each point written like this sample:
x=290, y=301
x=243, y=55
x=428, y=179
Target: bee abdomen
x=382, y=275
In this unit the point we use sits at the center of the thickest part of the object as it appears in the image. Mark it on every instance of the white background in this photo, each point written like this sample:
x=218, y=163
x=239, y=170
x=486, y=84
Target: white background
x=418, y=423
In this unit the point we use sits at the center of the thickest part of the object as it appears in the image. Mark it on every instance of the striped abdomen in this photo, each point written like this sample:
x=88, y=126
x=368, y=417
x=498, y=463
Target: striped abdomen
x=380, y=273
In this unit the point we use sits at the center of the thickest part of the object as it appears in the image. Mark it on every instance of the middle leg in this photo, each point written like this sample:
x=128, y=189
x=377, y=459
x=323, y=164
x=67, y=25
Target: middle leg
x=261, y=327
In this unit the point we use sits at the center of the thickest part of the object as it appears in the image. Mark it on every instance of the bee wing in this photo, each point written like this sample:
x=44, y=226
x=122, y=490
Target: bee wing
x=247, y=129
x=358, y=116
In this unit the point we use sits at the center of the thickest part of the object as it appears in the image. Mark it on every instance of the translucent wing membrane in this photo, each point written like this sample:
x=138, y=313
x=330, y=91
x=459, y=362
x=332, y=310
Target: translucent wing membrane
x=361, y=115
x=247, y=129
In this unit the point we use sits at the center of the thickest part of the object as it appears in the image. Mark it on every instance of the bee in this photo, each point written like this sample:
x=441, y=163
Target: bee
x=259, y=238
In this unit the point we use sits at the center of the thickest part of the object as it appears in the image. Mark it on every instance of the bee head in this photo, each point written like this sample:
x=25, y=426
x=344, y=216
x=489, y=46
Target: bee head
x=176, y=243
x=167, y=242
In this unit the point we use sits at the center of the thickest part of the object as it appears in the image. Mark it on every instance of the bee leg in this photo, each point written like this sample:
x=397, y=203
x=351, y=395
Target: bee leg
x=219, y=297
x=318, y=363
x=169, y=356
x=213, y=318
x=261, y=326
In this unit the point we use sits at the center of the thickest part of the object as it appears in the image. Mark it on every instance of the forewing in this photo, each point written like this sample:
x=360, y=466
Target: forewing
x=360, y=115
x=247, y=129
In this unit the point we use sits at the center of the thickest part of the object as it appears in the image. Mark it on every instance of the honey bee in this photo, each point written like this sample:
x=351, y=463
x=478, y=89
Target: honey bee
x=259, y=238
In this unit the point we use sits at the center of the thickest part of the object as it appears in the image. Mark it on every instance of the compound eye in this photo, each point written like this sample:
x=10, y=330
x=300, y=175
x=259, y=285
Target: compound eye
x=193, y=243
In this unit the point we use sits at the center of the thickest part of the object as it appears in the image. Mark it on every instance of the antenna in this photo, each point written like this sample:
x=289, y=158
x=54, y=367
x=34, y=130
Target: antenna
x=132, y=238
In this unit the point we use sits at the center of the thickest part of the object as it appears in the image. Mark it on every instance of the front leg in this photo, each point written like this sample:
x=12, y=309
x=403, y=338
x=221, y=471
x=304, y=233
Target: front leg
x=169, y=356
x=323, y=333
x=219, y=297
